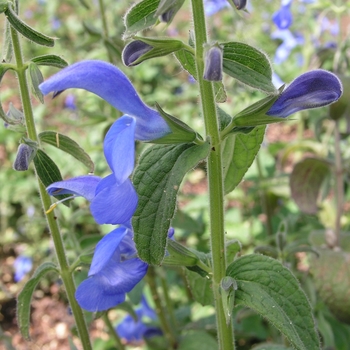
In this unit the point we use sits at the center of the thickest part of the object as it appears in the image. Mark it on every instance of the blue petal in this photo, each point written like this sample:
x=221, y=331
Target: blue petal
x=310, y=90
x=22, y=265
x=92, y=297
x=108, y=82
x=107, y=288
x=119, y=148
x=132, y=330
x=283, y=17
x=84, y=186
x=114, y=204
x=105, y=249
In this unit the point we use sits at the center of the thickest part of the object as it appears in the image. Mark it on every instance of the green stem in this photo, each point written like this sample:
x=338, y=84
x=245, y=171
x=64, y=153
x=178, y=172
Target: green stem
x=105, y=27
x=339, y=183
x=164, y=322
x=168, y=302
x=66, y=276
x=215, y=177
x=112, y=332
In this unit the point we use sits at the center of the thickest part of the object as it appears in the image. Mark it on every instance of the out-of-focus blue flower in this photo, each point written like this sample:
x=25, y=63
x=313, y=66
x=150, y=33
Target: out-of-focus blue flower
x=114, y=271
x=22, y=265
x=69, y=102
x=331, y=26
x=55, y=23
x=289, y=42
x=135, y=331
x=108, y=82
x=113, y=198
x=283, y=17
x=313, y=89
x=213, y=6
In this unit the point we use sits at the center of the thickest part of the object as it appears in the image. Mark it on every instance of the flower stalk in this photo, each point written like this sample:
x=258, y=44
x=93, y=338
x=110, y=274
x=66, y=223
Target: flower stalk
x=66, y=275
x=215, y=177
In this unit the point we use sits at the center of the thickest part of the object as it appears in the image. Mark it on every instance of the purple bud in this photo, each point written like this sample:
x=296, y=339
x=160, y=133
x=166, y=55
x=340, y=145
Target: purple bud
x=240, y=4
x=133, y=51
x=310, y=90
x=23, y=158
x=213, y=64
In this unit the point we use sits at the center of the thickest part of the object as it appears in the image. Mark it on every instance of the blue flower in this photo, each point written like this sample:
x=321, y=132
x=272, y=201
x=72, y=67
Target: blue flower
x=289, y=42
x=22, y=265
x=213, y=6
x=108, y=82
x=313, y=89
x=283, y=17
x=113, y=198
x=135, y=331
x=114, y=271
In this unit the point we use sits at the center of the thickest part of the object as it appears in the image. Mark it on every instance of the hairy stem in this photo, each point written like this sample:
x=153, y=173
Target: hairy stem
x=112, y=332
x=66, y=275
x=215, y=177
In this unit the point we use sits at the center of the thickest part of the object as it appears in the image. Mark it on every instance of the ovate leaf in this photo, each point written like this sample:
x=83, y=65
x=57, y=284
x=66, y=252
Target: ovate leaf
x=248, y=65
x=270, y=289
x=157, y=179
x=48, y=171
x=140, y=16
x=69, y=146
x=306, y=180
x=201, y=287
x=25, y=297
x=239, y=151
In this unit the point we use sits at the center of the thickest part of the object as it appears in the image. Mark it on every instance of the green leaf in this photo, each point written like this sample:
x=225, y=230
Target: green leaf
x=25, y=297
x=248, y=65
x=270, y=289
x=201, y=287
x=157, y=179
x=140, y=16
x=188, y=63
x=48, y=171
x=270, y=346
x=238, y=152
x=198, y=340
x=50, y=60
x=306, y=181
x=69, y=146
x=26, y=30
x=36, y=78
x=3, y=6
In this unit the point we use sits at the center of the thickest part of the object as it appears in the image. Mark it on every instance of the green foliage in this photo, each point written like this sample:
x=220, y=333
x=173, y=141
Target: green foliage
x=157, y=180
x=269, y=288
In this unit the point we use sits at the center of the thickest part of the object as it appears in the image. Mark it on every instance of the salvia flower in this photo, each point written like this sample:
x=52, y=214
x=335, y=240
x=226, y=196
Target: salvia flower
x=133, y=51
x=114, y=271
x=111, y=84
x=135, y=330
x=22, y=265
x=113, y=198
x=213, y=6
x=313, y=89
x=283, y=17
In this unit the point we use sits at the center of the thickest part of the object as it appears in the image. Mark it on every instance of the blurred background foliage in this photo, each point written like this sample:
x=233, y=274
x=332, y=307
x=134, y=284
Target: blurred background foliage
x=262, y=212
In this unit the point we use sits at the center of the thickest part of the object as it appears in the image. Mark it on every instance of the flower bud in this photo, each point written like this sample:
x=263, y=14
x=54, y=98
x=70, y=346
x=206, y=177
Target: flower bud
x=240, y=4
x=133, y=51
x=213, y=64
x=24, y=156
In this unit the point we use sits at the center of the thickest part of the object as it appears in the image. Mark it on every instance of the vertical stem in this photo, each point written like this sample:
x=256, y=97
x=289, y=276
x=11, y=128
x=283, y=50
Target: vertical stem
x=339, y=182
x=215, y=177
x=105, y=27
x=66, y=276
x=164, y=323
x=112, y=332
